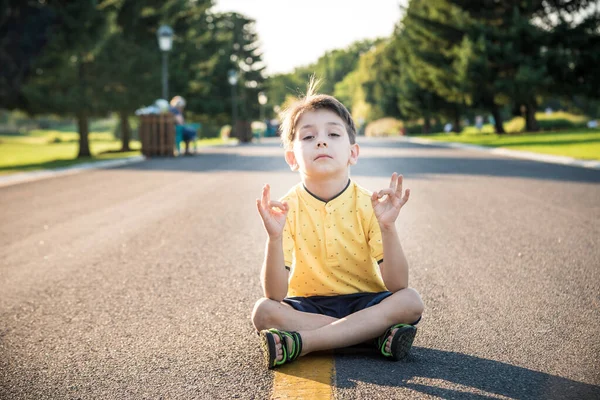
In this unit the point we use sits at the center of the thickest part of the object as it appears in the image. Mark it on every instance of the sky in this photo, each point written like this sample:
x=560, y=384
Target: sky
x=295, y=33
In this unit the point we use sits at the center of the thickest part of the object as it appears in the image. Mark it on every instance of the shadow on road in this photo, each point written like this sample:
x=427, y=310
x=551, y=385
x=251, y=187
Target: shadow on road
x=455, y=375
x=416, y=166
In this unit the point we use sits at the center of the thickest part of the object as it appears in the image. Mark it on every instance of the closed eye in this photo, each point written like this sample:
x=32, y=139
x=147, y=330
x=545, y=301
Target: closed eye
x=334, y=134
x=308, y=137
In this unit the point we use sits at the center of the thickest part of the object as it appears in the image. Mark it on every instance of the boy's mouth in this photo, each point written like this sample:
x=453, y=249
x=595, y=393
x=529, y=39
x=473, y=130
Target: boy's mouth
x=322, y=156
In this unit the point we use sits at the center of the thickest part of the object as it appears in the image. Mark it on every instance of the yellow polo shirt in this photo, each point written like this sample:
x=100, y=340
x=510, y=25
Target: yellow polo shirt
x=332, y=247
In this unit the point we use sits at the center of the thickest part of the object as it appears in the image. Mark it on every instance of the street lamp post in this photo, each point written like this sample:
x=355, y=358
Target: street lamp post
x=165, y=43
x=232, y=77
x=262, y=99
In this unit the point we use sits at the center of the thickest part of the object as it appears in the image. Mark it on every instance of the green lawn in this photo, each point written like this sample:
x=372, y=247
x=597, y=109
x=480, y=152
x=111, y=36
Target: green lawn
x=576, y=143
x=45, y=149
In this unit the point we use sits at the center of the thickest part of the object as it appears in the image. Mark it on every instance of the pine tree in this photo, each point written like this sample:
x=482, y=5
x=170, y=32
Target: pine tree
x=233, y=45
x=427, y=38
x=25, y=31
x=65, y=81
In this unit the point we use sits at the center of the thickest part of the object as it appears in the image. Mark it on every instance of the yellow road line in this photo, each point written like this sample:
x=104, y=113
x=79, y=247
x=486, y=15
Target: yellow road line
x=309, y=377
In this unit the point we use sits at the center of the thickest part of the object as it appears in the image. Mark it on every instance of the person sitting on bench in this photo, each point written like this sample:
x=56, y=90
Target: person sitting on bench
x=177, y=106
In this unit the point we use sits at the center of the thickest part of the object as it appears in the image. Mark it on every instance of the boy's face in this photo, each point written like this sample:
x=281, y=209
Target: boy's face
x=321, y=146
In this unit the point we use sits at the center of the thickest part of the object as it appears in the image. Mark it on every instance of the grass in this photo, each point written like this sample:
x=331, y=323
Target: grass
x=577, y=143
x=47, y=149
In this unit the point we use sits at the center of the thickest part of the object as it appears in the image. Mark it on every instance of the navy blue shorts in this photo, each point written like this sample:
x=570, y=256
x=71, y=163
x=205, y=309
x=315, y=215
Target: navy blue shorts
x=339, y=306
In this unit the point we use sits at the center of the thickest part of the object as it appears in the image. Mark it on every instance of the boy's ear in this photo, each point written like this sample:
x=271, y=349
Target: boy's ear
x=354, y=150
x=290, y=159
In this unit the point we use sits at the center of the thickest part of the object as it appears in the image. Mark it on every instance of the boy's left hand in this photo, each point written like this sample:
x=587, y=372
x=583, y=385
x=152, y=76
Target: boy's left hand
x=388, y=202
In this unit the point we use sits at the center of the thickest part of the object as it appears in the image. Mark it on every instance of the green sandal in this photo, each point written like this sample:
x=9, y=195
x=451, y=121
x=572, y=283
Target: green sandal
x=269, y=347
x=401, y=341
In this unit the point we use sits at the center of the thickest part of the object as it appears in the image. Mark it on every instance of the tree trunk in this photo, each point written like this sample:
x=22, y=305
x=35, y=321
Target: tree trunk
x=426, y=125
x=125, y=130
x=243, y=131
x=82, y=116
x=498, y=124
x=530, y=121
x=84, y=144
x=456, y=126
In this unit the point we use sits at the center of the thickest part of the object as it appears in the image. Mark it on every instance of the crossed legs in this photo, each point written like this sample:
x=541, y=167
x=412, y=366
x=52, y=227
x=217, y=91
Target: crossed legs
x=321, y=332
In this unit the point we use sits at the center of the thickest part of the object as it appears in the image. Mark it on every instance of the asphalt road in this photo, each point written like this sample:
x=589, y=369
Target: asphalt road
x=137, y=282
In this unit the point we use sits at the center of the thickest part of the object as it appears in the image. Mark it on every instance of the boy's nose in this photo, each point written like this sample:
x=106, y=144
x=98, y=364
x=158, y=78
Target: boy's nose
x=321, y=144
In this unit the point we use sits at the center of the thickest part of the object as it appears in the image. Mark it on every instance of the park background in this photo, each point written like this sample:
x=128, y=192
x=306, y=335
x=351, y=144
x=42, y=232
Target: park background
x=516, y=74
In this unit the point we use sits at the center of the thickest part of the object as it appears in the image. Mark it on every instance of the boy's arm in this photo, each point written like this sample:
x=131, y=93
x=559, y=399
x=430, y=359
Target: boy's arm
x=394, y=267
x=386, y=205
x=274, y=275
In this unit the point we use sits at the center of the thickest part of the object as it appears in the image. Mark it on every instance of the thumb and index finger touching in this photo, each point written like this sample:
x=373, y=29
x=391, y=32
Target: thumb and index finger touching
x=265, y=203
x=395, y=188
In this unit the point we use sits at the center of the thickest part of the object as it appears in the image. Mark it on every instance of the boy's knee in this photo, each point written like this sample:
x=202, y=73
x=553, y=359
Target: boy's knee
x=416, y=303
x=410, y=304
x=263, y=313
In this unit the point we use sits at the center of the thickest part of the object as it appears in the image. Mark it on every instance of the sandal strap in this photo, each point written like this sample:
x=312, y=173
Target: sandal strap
x=288, y=356
x=383, y=339
x=296, y=346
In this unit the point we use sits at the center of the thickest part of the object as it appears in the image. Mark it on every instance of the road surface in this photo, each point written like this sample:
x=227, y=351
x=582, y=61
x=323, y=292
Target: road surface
x=137, y=282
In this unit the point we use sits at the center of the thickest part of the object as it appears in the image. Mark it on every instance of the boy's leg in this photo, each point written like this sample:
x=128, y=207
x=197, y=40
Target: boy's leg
x=404, y=306
x=269, y=313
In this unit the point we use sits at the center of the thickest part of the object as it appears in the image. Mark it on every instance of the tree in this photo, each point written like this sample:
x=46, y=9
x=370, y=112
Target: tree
x=331, y=68
x=529, y=49
x=380, y=71
x=572, y=49
x=334, y=65
x=130, y=60
x=233, y=45
x=25, y=30
x=426, y=45
x=66, y=81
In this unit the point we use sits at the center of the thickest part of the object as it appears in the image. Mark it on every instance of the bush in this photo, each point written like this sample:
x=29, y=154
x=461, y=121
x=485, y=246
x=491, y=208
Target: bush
x=515, y=125
x=225, y=132
x=548, y=122
x=210, y=130
x=417, y=129
x=384, y=127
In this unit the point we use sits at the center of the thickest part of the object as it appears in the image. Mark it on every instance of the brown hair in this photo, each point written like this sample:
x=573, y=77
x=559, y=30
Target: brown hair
x=310, y=102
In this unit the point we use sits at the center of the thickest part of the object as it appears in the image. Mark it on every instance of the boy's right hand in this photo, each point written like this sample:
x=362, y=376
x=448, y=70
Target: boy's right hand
x=273, y=213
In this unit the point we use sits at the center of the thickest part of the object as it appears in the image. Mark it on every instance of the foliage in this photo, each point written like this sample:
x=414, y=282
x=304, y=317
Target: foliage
x=103, y=56
x=554, y=121
x=330, y=68
x=384, y=127
x=25, y=28
x=576, y=143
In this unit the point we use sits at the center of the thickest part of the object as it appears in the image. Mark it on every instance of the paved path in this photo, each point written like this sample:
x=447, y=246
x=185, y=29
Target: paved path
x=137, y=282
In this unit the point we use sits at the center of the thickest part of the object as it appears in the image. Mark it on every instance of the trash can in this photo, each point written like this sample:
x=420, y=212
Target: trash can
x=157, y=134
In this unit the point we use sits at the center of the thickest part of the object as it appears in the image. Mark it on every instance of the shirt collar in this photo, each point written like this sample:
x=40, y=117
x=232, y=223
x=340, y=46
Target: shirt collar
x=318, y=202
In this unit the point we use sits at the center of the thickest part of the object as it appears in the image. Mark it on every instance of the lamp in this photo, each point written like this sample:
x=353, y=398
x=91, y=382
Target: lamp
x=232, y=77
x=262, y=100
x=164, y=34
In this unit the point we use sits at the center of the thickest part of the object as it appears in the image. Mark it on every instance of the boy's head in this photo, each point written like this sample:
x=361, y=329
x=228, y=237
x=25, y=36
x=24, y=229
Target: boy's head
x=319, y=136
x=312, y=102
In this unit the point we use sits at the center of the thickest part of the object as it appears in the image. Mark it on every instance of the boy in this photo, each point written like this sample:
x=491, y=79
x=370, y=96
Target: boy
x=334, y=273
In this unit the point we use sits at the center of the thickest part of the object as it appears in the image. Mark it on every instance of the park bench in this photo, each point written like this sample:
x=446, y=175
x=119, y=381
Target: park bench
x=179, y=136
